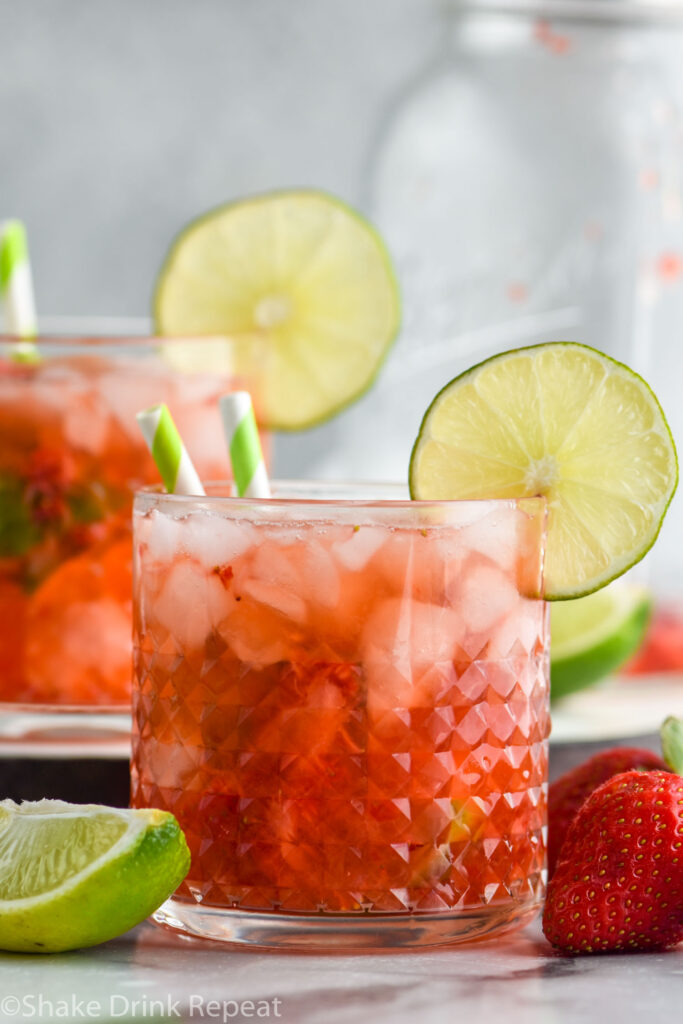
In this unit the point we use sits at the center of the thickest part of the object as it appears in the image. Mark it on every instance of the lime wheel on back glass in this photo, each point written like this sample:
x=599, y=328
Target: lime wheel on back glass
x=297, y=281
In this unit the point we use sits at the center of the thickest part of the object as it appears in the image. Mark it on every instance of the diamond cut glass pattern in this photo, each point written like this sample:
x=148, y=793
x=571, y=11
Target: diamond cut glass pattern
x=356, y=723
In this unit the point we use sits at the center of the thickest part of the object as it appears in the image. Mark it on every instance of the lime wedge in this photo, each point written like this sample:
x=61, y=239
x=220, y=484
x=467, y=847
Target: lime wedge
x=563, y=421
x=299, y=278
x=73, y=875
x=594, y=635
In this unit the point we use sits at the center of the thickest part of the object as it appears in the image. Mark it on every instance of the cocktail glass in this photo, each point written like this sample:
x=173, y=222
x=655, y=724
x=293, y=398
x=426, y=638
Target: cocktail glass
x=343, y=697
x=71, y=455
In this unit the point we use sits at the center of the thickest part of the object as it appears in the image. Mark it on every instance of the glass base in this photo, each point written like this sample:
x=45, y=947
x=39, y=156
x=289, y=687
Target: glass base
x=339, y=932
x=55, y=730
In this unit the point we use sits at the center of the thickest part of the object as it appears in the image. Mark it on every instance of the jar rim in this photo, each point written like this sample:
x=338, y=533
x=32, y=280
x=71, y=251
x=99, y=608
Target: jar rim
x=589, y=10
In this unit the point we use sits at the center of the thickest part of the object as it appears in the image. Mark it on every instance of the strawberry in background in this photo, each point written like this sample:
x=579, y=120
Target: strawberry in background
x=570, y=791
x=618, y=878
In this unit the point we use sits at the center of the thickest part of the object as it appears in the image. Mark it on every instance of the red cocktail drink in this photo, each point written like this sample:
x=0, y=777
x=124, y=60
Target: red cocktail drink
x=71, y=455
x=345, y=703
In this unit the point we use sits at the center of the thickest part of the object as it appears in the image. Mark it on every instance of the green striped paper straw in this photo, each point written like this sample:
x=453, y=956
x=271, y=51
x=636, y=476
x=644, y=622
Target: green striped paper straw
x=168, y=451
x=241, y=435
x=16, y=284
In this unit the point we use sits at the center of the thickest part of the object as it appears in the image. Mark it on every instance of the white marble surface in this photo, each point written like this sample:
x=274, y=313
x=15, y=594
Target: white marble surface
x=518, y=979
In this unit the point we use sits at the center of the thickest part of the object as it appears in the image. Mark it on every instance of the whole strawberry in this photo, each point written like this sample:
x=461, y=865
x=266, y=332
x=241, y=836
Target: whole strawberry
x=619, y=882
x=567, y=793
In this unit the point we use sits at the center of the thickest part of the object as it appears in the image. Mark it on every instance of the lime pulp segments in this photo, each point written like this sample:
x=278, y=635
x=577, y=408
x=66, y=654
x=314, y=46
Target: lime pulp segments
x=76, y=875
x=566, y=422
x=301, y=287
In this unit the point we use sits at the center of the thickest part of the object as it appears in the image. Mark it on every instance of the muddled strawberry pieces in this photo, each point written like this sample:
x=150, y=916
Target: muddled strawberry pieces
x=76, y=630
x=337, y=722
x=71, y=454
x=13, y=603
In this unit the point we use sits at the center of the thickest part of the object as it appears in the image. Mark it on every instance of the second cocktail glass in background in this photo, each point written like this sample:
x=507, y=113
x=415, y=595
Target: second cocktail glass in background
x=71, y=456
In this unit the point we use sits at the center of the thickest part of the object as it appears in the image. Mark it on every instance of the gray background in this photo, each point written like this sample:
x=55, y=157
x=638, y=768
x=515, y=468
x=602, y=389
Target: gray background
x=122, y=119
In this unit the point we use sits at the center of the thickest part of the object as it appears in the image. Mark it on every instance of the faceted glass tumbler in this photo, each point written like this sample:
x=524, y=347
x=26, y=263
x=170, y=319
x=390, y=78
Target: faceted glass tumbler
x=344, y=700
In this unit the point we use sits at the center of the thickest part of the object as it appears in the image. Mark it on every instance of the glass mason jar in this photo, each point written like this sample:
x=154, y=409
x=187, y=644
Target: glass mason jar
x=344, y=701
x=529, y=187
x=71, y=456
